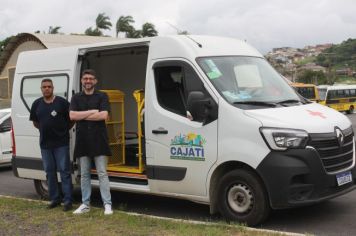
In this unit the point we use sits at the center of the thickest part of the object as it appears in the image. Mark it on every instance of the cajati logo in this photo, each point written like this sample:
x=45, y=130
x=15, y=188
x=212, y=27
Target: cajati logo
x=188, y=147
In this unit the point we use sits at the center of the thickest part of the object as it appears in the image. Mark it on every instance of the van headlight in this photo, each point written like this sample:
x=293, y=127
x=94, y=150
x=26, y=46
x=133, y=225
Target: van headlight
x=282, y=139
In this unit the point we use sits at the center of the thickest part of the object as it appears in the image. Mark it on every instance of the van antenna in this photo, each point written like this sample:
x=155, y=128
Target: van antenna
x=181, y=32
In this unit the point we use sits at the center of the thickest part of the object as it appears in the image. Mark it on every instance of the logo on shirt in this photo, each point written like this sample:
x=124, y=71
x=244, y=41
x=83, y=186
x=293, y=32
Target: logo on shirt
x=188, y=147
x=53, y=113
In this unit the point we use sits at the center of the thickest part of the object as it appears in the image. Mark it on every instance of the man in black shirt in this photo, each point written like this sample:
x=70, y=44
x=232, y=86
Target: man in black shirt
x=50, y=114
x=90, y=109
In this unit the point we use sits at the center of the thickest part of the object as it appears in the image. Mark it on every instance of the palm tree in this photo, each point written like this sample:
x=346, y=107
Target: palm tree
x=103, y=22
x=133, y=33
x=123, y=24
x=148, y=30
x=53, y=30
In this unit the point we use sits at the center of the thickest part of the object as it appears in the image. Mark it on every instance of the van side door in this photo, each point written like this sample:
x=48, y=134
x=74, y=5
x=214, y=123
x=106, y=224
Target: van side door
x=180, y=149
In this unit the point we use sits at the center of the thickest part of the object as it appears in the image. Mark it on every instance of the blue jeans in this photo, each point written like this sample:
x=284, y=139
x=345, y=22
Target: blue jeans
x=85, y=180
x=57, y=159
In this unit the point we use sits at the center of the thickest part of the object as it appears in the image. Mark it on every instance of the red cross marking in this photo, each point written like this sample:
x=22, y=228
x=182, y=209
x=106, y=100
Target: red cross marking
x=317, y=113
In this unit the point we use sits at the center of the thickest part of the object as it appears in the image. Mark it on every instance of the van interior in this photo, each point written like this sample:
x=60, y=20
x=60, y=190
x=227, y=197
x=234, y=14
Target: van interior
x=121, y=74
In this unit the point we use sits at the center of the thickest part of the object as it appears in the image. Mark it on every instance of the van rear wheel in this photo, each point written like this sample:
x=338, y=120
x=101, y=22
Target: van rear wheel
x=41, y=187
x=242, y=197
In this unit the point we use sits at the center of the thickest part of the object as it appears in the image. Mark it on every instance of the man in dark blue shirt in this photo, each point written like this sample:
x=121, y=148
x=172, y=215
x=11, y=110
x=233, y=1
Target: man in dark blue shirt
x=50, y=114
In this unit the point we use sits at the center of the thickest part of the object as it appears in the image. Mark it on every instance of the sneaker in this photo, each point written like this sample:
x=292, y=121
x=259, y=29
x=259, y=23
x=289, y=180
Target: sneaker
x=82, y=209
x=108, y=210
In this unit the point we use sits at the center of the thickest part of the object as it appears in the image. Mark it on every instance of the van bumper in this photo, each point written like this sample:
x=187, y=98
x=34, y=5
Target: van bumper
x=297, y=177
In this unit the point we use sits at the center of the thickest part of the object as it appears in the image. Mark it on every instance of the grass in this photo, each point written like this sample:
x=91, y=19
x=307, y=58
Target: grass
x=23, y=217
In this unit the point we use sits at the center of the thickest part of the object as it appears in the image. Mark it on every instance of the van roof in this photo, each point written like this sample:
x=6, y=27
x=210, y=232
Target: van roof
x=186, y=46
x=176, y=46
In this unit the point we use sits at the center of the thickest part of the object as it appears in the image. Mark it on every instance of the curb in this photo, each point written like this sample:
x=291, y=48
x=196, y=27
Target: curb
x=178, y=220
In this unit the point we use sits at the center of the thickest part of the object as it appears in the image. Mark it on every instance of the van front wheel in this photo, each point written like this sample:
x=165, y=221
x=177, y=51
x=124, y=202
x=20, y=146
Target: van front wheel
x=242, y=197
x=41, y=187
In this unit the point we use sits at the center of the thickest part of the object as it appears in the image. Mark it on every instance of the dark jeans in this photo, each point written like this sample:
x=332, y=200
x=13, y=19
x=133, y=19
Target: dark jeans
x=57, y=159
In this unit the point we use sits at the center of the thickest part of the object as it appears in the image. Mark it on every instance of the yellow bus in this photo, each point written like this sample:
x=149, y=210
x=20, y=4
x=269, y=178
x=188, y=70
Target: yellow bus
x=308, y=91
x=340, y=97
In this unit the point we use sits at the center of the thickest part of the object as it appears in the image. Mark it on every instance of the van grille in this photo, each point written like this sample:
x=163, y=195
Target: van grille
x=335, y=157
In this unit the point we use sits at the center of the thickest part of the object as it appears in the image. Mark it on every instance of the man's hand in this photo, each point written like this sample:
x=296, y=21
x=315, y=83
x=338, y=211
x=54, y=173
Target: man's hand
x=101, y=115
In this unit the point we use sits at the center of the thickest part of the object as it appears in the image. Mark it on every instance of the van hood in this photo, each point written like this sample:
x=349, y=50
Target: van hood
x=313, y=118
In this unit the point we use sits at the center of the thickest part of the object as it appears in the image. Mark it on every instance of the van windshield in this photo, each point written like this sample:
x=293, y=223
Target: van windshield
x=248, y=80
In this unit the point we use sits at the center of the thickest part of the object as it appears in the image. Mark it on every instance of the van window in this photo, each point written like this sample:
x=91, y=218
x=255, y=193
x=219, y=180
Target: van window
x=246, y=80
x=174, y=82
x=31, y=87
x=6, y=125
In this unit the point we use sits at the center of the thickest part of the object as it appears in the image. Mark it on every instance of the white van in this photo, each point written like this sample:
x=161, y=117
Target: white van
x=220, y=126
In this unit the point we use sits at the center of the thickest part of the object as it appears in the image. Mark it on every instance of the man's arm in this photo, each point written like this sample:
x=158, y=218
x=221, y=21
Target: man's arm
x=101, y=115
x=81, y=115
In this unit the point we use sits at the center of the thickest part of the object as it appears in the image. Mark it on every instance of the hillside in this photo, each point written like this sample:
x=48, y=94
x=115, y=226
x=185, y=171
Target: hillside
x=339, y=56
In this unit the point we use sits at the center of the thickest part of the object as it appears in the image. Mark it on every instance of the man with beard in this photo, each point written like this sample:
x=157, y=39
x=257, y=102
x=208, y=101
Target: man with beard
x=90, y=109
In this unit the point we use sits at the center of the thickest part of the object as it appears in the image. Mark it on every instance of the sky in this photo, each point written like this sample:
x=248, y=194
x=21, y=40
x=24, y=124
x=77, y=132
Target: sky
x=265, y=24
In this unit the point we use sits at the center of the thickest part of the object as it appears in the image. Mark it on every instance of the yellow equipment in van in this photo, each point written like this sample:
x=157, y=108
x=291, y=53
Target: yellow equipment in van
x=116, y=131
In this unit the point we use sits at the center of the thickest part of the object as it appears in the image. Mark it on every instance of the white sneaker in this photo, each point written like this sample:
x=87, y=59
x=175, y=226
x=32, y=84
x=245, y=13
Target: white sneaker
x=82, y=209
x=108, y=210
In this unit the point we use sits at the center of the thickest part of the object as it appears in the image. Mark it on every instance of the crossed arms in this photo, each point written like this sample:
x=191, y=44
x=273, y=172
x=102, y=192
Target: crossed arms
x=92, y=115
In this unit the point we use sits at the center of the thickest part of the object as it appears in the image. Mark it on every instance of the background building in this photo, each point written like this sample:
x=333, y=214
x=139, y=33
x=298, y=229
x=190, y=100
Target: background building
x=26, y=42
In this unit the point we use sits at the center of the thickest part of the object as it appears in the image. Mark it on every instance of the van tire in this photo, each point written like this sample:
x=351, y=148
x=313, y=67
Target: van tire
x=253, y=206
x=41, y=187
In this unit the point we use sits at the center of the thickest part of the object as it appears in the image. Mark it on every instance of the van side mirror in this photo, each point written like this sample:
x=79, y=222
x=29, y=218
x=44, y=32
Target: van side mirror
x=201, y=108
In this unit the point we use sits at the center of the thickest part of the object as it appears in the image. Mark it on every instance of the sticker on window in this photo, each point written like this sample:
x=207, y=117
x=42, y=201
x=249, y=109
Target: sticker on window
x=214, y=72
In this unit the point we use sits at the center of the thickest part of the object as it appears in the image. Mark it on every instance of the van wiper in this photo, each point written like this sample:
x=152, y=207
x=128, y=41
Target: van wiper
x=257, y=103
x=289, y=101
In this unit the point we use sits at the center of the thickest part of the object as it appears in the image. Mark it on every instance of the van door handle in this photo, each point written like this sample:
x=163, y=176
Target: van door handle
x=160, y=131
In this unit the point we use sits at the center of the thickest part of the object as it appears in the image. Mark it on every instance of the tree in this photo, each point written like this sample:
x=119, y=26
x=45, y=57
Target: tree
x=93, y=32
x=103, y=22
x=3, y=44
x=133, y=33
x=148, y=30
x=312, y=77
x=54, y=30
x=123, y=24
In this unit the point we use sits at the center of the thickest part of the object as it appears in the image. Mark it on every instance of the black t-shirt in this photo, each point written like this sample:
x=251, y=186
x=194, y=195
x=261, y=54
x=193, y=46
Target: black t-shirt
x=91, y=136
x=53, y=120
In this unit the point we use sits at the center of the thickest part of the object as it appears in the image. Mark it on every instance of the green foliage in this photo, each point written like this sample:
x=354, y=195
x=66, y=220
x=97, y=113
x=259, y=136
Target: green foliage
x=3, y=43
x=123, y=25
x=53, y=30
x=21, y=217
x=342, y=55
x=133, y=33
x=93, y=32
x=102, y=22
x=312, y=77
x=306, y=61
x=148, y=30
